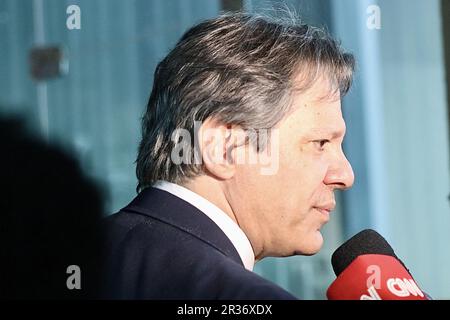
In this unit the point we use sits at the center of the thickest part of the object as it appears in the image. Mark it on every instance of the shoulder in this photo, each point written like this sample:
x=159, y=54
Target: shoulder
x=247, y=285
x=150, y=259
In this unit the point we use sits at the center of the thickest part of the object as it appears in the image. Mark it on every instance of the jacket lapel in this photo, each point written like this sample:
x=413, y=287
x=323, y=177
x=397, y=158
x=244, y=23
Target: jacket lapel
x=167, y=208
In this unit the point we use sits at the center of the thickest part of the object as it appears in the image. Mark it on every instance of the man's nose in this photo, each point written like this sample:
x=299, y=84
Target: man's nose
x=340, y=174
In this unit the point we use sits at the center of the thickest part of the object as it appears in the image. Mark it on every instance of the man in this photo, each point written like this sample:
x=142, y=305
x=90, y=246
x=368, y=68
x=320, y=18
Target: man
x=241, y=151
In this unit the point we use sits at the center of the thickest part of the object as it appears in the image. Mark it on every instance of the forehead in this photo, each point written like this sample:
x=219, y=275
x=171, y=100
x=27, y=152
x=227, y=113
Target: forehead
x=315, y=111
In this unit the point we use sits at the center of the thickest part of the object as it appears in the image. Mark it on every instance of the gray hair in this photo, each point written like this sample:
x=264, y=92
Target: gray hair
x=238, y=69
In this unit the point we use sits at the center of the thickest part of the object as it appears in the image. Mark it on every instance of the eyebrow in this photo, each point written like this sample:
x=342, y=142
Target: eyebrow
x=339, y=133
x=333, y=133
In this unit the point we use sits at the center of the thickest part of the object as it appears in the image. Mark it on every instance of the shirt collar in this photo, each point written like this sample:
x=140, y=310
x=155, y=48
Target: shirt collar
x=223, y=221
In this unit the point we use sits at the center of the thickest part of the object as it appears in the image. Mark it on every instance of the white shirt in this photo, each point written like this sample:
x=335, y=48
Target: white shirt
x=223, y=221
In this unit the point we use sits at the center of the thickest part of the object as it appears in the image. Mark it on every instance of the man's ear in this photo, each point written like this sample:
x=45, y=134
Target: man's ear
x=217, y=145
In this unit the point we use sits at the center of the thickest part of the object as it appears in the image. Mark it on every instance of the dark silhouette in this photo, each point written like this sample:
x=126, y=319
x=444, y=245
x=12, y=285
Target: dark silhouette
x=49, y=214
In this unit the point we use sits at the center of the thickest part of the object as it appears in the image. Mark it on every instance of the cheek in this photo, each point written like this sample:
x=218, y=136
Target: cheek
x=310, y=172
x=318, y=170
x=302, y=161
x=307, y=181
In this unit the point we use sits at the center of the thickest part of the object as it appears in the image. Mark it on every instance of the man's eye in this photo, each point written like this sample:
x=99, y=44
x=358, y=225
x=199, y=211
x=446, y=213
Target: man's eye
x=320, y=144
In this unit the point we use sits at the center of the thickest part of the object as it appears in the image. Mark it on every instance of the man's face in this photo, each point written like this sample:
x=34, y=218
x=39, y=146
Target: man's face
x=282, y=213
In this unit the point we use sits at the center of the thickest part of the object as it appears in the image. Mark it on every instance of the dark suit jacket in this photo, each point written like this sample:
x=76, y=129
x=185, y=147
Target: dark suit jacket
x=161, y=247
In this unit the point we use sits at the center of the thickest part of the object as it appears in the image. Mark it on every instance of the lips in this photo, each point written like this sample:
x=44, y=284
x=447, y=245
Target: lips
x=325, y=209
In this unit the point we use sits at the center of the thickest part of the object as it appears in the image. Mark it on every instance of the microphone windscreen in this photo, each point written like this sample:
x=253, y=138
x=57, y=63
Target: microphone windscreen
x=365, y=242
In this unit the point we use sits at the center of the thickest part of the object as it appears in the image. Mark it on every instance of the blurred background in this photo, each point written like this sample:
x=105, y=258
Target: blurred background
x=79, y=73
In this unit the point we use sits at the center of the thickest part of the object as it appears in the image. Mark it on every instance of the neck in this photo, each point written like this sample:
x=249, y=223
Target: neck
x=219, y=194
x=211, y=190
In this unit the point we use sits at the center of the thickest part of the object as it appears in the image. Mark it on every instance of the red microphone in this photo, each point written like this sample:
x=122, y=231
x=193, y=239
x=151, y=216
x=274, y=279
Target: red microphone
x=368, y=269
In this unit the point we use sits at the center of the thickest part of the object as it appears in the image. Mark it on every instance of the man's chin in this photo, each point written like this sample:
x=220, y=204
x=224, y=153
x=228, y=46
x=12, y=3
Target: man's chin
x=312, y=245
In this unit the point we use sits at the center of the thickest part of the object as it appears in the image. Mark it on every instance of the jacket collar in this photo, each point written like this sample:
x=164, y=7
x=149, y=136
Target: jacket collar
x=165, y=207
